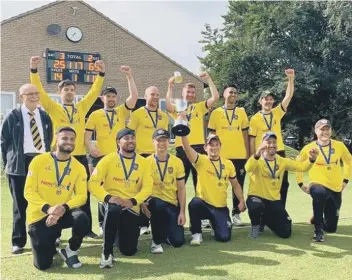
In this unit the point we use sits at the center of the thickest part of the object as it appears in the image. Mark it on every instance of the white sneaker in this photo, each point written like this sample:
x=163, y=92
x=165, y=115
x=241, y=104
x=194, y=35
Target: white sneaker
x=144, y=230
x=197, y=239
x=236, y=220
x=106, y=263
x=101, y=232
x=156, y=248
x=206, y=224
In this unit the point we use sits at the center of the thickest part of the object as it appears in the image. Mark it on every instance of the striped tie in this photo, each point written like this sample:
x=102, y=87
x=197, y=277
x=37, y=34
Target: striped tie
x=37, y=141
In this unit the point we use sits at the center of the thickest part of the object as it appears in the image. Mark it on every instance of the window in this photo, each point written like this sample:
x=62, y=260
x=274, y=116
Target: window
x=8, y=103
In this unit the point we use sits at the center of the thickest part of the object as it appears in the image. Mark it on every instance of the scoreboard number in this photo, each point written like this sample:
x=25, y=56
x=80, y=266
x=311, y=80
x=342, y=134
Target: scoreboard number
x=75, y=66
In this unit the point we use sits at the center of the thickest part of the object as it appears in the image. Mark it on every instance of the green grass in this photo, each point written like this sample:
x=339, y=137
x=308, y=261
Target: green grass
x=268, y=258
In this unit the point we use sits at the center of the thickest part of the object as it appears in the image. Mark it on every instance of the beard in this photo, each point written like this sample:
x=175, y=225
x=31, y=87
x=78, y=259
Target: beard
x=111, y=105
x=65, y=150
x=129, y=150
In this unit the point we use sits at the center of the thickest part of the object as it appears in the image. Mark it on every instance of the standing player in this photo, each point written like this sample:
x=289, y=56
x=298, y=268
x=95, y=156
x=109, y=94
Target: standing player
x=266, y=170
x=269, y=120
x=195, y=119
x=214, y=174
x=144, y=121
x=56, y=186
x=127, y=184
x=108, y=122
x=326, y=181
x=231, y=124
x=166, y=206
x=70, y=114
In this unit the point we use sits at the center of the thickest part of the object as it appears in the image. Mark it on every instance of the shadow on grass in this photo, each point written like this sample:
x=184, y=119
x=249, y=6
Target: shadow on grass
x=210, y=258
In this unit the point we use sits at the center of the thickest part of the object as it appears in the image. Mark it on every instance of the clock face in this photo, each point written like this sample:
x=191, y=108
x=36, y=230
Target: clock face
x=74, y=34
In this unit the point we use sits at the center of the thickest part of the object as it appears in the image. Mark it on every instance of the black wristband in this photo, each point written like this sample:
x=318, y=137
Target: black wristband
x=346, y=181
x=107, y=198
x=256, y=157
x=34, y=70
x=45, y=208
x=311, y=160
x=300, y=185
x=101, y=74
x=67, y=208
x=134, y=201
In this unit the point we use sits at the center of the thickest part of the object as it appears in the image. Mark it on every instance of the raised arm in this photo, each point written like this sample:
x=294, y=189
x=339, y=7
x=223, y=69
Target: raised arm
x=302, y=166
x=190, y=152
x=290, y=73
x=48, y=104
x=132, y=88
x=169, y=95
x=92, y=95
x=214, y=92
x=252, y=163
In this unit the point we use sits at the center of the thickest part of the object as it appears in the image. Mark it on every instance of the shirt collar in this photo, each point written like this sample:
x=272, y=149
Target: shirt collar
x=26, y=110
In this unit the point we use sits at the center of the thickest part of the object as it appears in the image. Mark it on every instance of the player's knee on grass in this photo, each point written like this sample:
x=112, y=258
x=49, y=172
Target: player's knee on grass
x=177, y=241
x=223, y=236
x=43, y=263
x=128, y=250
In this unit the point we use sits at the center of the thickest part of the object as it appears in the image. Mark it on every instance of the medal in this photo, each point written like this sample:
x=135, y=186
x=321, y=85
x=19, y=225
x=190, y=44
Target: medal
x=189, y=115
x=270, y=124
x=127, y=175
x=232, y=117
x=162, y=173
x=70, y=116
x=155, y=123
x=59, y=179
x=218, y=174
x=326, y=158
x=273, y=183
x=110, y=120
x=272, y=172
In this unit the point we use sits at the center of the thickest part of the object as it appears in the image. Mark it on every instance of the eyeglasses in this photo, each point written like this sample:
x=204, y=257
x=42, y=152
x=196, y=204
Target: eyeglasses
x=31, y=94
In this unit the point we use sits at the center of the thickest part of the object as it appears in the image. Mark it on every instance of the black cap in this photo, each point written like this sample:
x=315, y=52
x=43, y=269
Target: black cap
x=124, y=132
x=266, y=93
x=65, y=128
x=107, y=90
x=160, y=132
x=267, y=135
x=211, y=137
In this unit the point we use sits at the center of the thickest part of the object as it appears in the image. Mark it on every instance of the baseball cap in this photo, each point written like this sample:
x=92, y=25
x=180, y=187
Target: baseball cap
x=268, y=134
x=321, y=123
x=108, y=89
x=211, y=137
x=65, y=128
x=159, y=133
x=266, y=93
x=124, y=132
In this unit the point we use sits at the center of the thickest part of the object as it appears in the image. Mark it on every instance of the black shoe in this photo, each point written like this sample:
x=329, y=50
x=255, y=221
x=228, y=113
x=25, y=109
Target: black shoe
x=261, y=228
x=318, y=236
x=17, y=250
x=92, y=235
x=72, y=262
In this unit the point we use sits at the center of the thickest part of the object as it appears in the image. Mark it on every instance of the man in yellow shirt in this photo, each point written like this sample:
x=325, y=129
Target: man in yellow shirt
x=70, y=114
x=195, y=119
x=214, y=174
x=326, y=179
x=231, y=124
x=56, y=187
x=107, y=123
x=127, y=182
x=266, y=170
x=269, y=120
x=144, y=121
x=166, y=206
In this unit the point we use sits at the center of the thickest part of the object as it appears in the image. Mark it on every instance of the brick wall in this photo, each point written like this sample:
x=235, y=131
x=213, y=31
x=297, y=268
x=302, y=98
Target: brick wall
x=27, y=36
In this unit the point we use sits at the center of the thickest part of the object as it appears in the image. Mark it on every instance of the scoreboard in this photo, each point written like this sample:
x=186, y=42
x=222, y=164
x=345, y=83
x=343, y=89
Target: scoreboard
x=75, y=66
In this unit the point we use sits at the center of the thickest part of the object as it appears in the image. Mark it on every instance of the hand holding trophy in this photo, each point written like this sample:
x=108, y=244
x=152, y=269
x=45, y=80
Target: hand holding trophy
x=180, y=127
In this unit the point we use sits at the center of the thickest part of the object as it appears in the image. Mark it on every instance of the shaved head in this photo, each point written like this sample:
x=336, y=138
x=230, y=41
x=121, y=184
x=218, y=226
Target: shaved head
x=151, y=89
x=152, y=97
x=29, y=95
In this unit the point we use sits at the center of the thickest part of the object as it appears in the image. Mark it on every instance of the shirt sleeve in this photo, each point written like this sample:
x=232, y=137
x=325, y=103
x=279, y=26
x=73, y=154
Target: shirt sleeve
x=202, y=107
x=133, y=121
x=166, y=122
x=147, y=184
x=297, y=166
x=31, y=193
x=347, y=162
x=301, y=158
x=180, y=170
x=253, y=129
x=92, y=95
x=91, y=124
x=124, y=112
x=80, y=196
x=213, y=120
x=98, y=176
x=245, y=122
x=232, y=169
x=251, y=164
x=279, y=111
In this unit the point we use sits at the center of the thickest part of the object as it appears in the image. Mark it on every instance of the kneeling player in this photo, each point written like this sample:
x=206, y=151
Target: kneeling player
x=126, y=184
x=56, y=186
x=266, y=170
x=166, y=206
x=214, y=174
x=325, y=179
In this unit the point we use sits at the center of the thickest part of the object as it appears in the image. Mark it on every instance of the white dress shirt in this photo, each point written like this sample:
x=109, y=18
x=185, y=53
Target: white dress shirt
x=28, y=146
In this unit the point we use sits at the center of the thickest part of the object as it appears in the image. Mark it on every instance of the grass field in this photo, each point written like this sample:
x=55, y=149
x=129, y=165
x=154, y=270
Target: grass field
x=242, y=258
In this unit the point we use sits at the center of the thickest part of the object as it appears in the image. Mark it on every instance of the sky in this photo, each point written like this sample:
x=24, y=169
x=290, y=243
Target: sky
x=159, y=23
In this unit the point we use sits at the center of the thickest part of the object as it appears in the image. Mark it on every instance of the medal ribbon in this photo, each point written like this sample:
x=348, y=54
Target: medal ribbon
x=327, y=158
x=155, y=123
x=268, y=125
x=127, y=175
x=163, y=173
x=272, y=172
x=218, y=174
x=227, y=116
x=110, y=120
x=70, y=117
x=189, y=115
x=59, y=178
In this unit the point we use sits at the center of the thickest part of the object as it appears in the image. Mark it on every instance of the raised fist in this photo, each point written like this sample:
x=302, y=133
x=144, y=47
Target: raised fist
x=34, y=62
x=290, y=73
x=204, y=76
x=101, y=65
x=126, y=70
x=313, y=153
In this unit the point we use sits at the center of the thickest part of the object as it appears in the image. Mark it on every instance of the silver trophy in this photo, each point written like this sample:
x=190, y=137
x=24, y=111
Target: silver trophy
x=180, y=127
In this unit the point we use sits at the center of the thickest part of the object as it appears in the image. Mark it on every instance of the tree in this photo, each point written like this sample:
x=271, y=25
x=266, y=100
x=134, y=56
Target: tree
x=260, y=39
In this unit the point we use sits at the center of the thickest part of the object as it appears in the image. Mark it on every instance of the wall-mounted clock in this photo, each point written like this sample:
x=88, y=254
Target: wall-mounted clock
x=74, y=34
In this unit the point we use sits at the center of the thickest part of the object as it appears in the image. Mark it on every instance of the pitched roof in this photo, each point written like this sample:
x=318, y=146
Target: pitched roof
x=108, y=19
